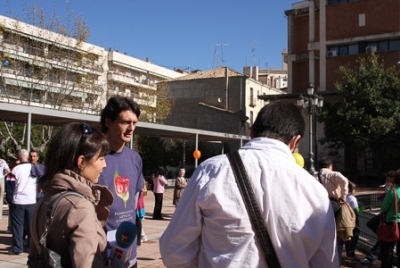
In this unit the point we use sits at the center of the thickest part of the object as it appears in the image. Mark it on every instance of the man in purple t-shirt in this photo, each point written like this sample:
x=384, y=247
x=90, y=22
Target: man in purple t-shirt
x=123, y=174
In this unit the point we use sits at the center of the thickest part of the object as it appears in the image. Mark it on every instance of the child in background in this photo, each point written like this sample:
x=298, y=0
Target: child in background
x=351, y=245
x=140, y=213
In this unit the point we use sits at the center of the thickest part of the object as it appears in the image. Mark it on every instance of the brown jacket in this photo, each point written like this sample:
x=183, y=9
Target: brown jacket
x=77, y=227
x=180, y=185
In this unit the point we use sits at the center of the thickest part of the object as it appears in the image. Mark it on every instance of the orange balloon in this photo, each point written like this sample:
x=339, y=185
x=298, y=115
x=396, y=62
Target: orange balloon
x=196, y=154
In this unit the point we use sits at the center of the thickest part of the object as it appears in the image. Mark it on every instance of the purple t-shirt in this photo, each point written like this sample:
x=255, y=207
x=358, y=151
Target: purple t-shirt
x=123, y=175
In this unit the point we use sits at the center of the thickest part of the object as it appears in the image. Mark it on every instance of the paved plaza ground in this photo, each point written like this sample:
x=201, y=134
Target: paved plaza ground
x=148, y=253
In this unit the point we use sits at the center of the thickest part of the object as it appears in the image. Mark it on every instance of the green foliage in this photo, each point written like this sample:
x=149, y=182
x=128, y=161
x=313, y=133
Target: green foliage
x=13, y=138
x=174, y=156
x=152, y=151
x=367, y=111
x=156, y=154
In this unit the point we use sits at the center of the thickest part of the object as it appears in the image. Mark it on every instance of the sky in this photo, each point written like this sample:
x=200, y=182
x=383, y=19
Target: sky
x=185, y=34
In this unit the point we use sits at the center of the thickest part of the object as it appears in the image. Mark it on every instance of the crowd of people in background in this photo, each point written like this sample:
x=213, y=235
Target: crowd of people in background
x=209, y=211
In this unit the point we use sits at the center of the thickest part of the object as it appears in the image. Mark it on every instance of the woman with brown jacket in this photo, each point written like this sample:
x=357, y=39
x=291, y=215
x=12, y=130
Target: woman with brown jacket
x=74, y=161
x=180, y=185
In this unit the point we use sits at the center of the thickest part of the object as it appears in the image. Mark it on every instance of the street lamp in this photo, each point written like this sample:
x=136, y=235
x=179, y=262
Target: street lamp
x=312, y=103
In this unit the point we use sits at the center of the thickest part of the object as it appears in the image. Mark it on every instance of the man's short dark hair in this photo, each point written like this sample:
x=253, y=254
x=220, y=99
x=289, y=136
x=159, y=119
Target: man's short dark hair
x=324, y=162
x=115, y=105
x=279, y=120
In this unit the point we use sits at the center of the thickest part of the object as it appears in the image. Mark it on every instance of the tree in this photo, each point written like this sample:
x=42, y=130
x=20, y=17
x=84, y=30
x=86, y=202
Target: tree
x=12, y=138
x=152, y=151
x=366, y=113
x=155, y=104
x=43, y=64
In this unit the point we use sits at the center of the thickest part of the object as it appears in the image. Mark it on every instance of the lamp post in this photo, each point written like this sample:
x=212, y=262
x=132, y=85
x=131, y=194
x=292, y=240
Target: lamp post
x=312, y=103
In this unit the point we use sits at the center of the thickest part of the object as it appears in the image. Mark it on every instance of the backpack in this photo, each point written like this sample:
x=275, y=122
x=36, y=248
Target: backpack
x=345, y=217
x=345, y=221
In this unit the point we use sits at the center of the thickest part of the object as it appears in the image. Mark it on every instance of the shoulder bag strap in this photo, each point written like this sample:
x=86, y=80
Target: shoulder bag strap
x=320, y=180
x=396, y=224
x=253, y=209
x=51, y=208
x=319, y=177
x=396, y=201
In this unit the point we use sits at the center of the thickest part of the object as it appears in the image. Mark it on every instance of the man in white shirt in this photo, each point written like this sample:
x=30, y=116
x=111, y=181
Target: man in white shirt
x=23, y=201
x=4, y=170
x=337, y=187
x=334, y=182
x=211, y=227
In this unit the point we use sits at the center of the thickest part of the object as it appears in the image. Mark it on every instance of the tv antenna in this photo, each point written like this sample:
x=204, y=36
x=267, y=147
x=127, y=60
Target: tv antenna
x=253, y=51
x=219, y=55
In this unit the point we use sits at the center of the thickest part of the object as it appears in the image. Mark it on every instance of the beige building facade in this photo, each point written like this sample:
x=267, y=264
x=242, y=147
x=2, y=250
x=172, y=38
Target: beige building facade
x=220, y=99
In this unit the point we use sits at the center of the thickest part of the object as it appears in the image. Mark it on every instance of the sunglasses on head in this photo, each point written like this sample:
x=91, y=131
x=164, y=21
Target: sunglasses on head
x=86, y=130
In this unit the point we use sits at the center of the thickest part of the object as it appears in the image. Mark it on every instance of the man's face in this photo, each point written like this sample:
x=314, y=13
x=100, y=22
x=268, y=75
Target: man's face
x=33, y=158
x=123, y=126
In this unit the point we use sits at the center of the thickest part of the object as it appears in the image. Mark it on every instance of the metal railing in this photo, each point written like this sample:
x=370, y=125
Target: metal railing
x=371, y=208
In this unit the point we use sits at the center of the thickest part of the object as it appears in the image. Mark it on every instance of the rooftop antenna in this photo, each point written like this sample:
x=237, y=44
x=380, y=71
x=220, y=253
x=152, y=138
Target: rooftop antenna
x=253, y=50
x=216, y=55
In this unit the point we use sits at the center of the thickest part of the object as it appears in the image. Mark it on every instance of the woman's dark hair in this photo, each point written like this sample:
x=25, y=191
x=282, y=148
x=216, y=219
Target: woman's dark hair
x=114, y=107
x=70, y=142
x=394, y=175
x=279, y=120
x=160, y=172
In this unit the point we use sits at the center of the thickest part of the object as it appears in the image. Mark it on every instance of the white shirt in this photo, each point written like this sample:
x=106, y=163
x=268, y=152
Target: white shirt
x=335, y=183
x=25, y=185
x=3, y=166
x=352, y=200
x=211, y=227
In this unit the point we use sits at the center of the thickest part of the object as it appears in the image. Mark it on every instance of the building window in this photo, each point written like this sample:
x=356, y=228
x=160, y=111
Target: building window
x=343, y=50
x=383, y=46
x=394, y=44
x=252, y=97
x=336, y=2
x=251, y=118
x=353, y=49
x=363, y=47
x=258, y=94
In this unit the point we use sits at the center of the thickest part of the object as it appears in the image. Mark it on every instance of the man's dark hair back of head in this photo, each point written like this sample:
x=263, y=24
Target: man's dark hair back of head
x=324, y=162
x=115, y=105
x=279, y=120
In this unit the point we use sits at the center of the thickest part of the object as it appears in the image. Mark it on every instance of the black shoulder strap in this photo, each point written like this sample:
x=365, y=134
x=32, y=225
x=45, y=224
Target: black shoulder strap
x=319, y=178
x=51, y=208
x=253, y=209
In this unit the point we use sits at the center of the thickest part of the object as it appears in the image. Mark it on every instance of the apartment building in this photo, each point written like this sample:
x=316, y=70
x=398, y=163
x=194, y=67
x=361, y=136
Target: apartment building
x=46, y=69
x=137, y=79
x=326, y=34
x=220, y=99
